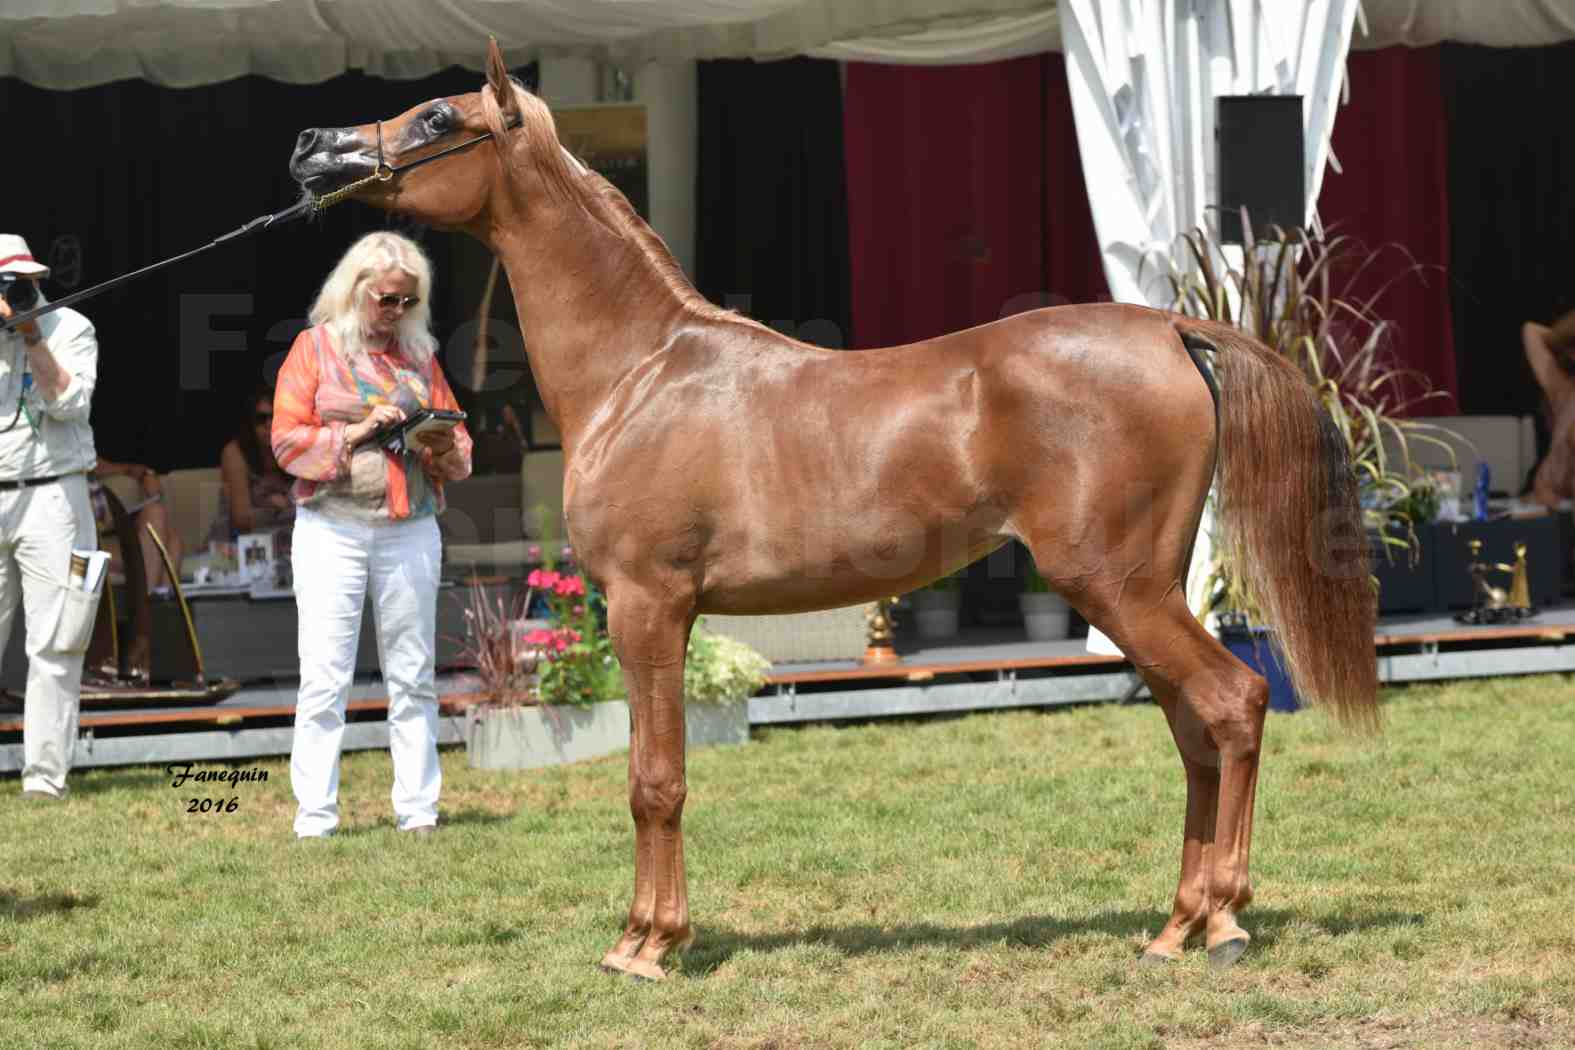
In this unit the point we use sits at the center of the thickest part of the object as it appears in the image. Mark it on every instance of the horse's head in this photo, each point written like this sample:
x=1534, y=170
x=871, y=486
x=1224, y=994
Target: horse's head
x=452, y=189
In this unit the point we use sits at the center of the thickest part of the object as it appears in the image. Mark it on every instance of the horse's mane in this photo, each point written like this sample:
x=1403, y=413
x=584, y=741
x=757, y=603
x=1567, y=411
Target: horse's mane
x=602, y=202
x=541, y=134
x=637, y=231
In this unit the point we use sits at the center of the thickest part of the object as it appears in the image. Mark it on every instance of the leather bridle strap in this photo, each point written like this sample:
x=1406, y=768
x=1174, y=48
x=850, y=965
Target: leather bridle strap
x=385, y=171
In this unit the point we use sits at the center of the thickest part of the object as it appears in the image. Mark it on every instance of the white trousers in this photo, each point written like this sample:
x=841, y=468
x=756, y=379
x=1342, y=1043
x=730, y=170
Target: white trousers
x=39, y=526
x=335, y=563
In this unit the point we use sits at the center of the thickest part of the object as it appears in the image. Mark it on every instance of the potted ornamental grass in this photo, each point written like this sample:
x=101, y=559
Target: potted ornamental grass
x=1295, y=291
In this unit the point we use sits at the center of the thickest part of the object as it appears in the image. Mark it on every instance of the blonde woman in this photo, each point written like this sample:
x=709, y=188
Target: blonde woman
x=366, y=519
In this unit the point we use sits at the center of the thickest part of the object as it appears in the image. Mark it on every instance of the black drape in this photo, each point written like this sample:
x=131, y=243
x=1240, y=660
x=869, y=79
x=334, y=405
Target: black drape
x=109, y=179
x=1511, y=166
x=771, y=216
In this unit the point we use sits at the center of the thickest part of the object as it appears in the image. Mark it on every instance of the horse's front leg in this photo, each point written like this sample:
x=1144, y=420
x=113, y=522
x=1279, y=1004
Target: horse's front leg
x=650, y=632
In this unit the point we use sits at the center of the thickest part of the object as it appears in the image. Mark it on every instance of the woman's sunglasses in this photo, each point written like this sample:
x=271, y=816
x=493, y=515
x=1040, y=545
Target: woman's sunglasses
x=388, y=302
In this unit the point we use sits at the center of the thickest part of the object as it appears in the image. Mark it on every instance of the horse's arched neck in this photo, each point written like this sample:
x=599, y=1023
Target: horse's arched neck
x=590, y=301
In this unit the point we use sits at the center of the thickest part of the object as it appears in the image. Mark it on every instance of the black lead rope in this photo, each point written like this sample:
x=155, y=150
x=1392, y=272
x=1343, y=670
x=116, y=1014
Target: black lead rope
x=262, y=222
x=306, y=206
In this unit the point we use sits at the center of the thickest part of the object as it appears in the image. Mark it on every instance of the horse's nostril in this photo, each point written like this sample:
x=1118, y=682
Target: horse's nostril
x=306, y=141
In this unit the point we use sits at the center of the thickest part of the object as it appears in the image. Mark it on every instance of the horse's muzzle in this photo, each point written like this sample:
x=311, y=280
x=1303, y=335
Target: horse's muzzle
x=327, y=158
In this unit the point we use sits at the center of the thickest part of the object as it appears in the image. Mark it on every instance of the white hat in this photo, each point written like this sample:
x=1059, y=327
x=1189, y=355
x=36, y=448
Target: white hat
x=17, y=257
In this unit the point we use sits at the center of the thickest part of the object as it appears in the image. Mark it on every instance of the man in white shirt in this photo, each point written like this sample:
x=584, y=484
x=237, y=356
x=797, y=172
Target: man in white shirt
x=48, y=368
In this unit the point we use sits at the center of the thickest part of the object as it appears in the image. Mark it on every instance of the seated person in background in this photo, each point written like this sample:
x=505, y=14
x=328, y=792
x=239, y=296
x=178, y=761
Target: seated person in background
x=151, y=513
x=256, y=491
x=1551, y=353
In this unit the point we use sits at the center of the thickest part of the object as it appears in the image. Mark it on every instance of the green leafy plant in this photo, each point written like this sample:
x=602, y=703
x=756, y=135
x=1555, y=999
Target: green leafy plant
x=1419, y=506
x=721, y=670
x=1294, y=292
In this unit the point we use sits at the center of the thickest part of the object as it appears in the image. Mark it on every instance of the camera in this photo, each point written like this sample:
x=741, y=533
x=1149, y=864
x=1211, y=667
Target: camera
x=20, y=293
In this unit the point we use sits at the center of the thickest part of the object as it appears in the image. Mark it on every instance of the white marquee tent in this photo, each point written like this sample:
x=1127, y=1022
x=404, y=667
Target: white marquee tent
x=68, y=44
x=62, y=44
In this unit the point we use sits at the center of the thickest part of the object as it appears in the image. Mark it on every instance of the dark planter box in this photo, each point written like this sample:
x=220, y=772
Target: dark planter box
x=1566, y=528
x=1260, y=650
x=1544, y=557
x=1406, y=584
x=991, y=585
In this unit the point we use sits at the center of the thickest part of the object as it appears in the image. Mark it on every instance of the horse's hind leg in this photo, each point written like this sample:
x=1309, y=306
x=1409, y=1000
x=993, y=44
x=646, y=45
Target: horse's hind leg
x=1215, y=707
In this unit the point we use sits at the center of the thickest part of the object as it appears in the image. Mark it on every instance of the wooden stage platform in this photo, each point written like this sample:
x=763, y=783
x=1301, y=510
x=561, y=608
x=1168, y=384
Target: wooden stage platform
x=981, y=670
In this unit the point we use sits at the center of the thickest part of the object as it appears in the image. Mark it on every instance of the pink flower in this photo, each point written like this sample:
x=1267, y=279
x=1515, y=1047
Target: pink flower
x=579, y=610
x=533, y=552
x=569, y=587
x=543, y=578
x=562, y=638
x=539, y=637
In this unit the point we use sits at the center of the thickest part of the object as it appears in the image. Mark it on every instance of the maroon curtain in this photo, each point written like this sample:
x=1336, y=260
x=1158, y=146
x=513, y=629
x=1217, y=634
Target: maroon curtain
x=1074, y=272
x=965, y=197
x=1393, y=197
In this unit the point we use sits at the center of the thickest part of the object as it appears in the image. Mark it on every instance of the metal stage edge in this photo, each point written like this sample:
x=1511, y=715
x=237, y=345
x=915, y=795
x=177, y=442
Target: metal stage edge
x=982, y=671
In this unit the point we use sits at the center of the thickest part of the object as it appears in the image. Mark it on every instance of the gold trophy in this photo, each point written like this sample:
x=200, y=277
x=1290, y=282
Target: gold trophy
x=879, y=620
x=1492, y=604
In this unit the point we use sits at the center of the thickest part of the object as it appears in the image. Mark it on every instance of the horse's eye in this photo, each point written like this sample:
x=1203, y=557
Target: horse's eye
x=437, y=121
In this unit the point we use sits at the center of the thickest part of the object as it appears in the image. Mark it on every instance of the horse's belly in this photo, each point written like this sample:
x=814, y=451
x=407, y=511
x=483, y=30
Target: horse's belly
x=798, y=567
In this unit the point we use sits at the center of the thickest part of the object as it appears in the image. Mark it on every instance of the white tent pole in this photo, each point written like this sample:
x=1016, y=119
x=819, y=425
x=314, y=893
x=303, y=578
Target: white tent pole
x=1318, y=82
x=1143, y=76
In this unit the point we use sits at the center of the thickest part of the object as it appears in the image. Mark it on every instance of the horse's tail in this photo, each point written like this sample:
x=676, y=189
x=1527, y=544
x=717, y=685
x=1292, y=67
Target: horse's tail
x=1291, y=520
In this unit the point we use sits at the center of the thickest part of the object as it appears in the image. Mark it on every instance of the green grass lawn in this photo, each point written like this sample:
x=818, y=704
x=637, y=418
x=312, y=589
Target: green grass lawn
x=982, y=881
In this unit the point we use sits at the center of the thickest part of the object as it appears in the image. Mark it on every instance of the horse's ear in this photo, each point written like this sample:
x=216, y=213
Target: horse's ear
x=498, y=80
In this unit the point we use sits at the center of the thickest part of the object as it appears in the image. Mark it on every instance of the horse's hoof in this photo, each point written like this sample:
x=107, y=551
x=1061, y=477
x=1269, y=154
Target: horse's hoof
x=1226, y=953
x=644, y=970
x=1154, y=960
x=633, y=978
x=612, y=962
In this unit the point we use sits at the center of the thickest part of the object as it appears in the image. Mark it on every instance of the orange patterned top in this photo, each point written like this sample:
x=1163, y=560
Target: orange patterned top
x=319, y=393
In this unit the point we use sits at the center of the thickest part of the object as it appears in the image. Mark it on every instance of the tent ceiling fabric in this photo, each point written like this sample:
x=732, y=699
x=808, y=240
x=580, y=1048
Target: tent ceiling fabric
x=1492, y=23
x=65, y=44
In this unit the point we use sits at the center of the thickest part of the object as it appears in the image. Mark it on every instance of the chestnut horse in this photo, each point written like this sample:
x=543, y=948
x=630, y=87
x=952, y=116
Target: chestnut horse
x=713, y=465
